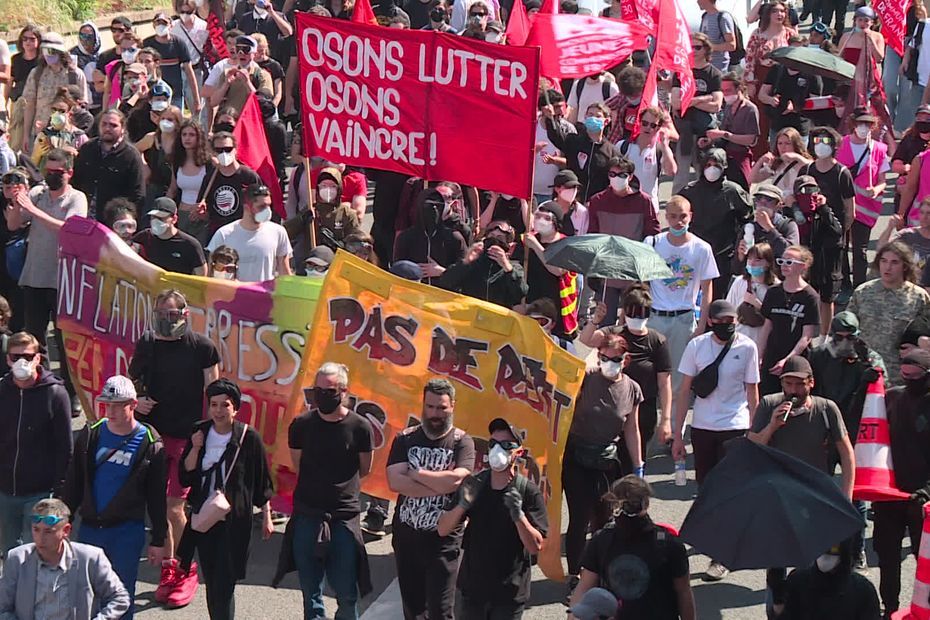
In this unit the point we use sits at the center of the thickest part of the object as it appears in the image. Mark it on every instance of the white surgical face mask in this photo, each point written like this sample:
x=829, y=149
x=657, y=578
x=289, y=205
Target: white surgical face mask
x=619, y=184
x=827, y=562
x=636, y=325
x=161, y=30
x=543, y=227
x=159, y=227
x=166, y=125
x=863, y=131
x=498, y=458
x=492, y=37
x=22, y=370
x=159, y=106
x=263, y=216
x=730, y=99
x=225, y=159
x=568, y=194
x=328, y=194
x=822, y=150
x=611, y=370
x=128, y=56
x=713, y=173
x=224, y=275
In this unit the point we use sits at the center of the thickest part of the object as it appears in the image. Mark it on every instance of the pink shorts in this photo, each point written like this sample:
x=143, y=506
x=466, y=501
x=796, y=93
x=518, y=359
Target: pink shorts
x=174, y=447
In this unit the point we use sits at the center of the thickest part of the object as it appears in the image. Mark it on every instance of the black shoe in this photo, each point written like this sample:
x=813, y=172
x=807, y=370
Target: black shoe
x=373, y=524
x=572, y=583
x=76, y=407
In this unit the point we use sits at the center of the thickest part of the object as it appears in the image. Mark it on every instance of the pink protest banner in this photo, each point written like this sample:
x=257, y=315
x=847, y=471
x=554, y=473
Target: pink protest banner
x=892, y=16
x=105, y=297
x=672, y=53
x=576, y=46
x=422, y=103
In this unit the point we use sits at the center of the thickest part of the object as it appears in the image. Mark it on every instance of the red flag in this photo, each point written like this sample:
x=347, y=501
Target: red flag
x=550, y=7
x=253, y=151
x=363, y=13
x=518, y=26
x=673, y=52
x=573, y=46
x=892, y=16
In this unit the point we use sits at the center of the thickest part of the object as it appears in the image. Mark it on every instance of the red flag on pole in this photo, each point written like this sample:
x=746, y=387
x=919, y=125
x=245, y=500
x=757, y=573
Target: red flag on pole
x=892, y=15
x=550, y=7
x=252, y=150
x=215, y=47
x=573, y=46
x=673, y=52
x=518, y=26
x=363, y=13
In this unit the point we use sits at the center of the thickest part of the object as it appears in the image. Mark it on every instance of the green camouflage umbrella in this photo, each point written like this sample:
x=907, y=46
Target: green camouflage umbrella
x=608, y=256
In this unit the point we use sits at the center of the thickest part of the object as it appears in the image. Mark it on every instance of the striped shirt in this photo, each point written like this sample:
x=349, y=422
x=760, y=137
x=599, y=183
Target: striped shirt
x=53, y=601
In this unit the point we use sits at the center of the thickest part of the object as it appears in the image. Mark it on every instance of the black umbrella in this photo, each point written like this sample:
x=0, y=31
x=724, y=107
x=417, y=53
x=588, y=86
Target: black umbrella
x=762, y=508
x=608, y=256
x=812, y=61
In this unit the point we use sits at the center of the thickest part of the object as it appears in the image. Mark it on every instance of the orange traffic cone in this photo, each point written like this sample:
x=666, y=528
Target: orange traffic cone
x=874, y=468
x=920, y=600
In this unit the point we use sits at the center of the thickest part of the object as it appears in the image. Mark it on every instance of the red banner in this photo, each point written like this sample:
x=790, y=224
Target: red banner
x=576, y=46
x=427, y=104
x=672, y=52
x=892, y=15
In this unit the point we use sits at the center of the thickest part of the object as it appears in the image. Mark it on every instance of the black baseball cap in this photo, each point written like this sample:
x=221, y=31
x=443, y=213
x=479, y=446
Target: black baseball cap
x=566, y=178
x=720, y=309
x=797, y=366
x=500, y=424
x=164, y=206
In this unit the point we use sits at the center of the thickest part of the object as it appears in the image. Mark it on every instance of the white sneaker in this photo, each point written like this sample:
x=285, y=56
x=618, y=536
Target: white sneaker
x=715, y=571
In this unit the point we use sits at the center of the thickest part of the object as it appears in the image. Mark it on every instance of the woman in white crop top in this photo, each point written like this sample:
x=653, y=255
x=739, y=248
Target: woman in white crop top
x=190, y=171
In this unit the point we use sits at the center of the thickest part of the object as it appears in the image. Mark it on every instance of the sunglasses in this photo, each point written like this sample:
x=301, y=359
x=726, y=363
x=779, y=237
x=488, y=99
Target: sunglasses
x=477, y=14
x=317, y=268
x=49, y=520
x=822, y=140
x=808, y=190
x=615, y=360
x=122, y=227
x=13, y=179
x=117, y=29
x=507, y=231
x=649, y=125
x=622, y=175
x=244, y=50
x=819, y=28
x=22, y=356
x=781, y=262
x=509, y=446
x=358, y=246
x=224, y=149
x=225, y=267
x=326, y=391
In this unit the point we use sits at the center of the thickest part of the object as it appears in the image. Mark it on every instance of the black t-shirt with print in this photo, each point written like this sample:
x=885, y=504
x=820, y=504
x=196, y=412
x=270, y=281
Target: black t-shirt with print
x=648, y=357
x=794, y=88
x=789, y=313
x=638, y=562
x=226, y=195
x=180, y=253
x=496, y=566
x=707, y=80
x=836, y=185
x=328, y=479
x=456, y=449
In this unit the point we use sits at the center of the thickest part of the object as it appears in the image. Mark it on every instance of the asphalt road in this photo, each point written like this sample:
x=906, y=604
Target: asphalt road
x=740, y=596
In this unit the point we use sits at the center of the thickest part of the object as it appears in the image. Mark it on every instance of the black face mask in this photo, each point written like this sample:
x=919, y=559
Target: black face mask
x=55, y=180
x=490, y=242
x=723, y=331
x=437, y=15
x=922, y=127
x=431, y=214
x=326, y=401
x=917, y=387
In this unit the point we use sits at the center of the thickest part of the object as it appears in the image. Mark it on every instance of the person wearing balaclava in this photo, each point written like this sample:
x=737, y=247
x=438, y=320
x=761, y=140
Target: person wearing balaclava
x=334, y=219
x=720, y=209
x=171, y=366
x=829, y=588
x=908, y=410
x=506, y=526
x=430, y=242
x=87, y=53
x=844, y=366
x=632, y=539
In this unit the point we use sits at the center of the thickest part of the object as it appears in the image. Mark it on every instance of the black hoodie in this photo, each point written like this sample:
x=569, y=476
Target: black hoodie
x=36, y=445
x=840, y=594
x=430, y=237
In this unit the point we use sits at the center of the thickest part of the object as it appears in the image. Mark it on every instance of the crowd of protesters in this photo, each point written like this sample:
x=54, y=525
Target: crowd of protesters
x=778, y=178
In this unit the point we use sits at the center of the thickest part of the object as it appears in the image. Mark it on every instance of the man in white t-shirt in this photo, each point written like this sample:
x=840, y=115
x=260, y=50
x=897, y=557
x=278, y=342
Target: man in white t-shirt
x=724, y=413
x=263, y=246
x=593, y=89
x=649, y=151
x=674, y=299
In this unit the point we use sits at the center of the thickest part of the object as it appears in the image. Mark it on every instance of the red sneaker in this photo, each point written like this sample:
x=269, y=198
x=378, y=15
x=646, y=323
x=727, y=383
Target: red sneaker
x=182, y=589
x=168, y=576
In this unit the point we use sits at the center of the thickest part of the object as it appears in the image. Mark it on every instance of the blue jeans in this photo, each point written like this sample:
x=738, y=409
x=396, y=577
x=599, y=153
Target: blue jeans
x=15, y=524
x=340, y=566
x=891, y=80
x=123, y=545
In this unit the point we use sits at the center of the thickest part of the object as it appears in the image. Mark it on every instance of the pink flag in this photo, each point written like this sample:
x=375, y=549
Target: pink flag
x=673, y=52
x=518, y=26
x=892, y=15
x=573, y=46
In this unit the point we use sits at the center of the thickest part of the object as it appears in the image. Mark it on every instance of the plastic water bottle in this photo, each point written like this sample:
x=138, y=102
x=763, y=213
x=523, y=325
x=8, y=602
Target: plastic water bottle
x=749, y=235
x=681, y=474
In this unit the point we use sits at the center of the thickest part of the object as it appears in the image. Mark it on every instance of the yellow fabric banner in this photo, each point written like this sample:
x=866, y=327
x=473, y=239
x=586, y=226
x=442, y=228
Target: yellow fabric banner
x=394, y=335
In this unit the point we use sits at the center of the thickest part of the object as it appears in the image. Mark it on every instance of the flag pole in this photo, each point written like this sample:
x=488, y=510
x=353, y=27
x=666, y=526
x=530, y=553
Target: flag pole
x=307, y=175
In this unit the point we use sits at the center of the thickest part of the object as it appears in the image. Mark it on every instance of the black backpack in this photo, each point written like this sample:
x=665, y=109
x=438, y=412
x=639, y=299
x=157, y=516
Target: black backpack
x=915, y=41
x=605, y=90
x=737, y=55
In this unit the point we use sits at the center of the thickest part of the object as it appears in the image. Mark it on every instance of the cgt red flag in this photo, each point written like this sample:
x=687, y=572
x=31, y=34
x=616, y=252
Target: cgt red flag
x=892, y=16
x=573, y=46
x=363, y=13
x=252, y=150
x=215, y=46
x=518, y=26
x=673, y=52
